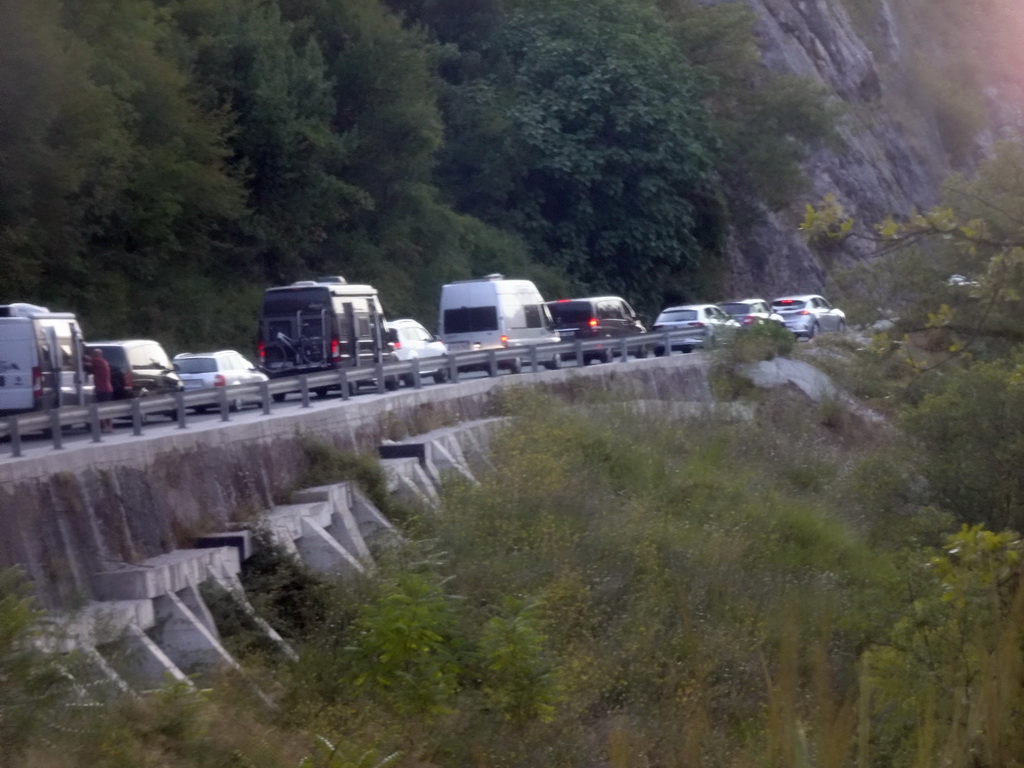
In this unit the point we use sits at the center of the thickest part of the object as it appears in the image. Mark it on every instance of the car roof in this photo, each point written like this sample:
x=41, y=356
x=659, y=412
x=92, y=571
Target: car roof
x=588, y=298
x=688, y=306
x=798, y=297
x=741, y=301
x=405, y=321
x=218, y=353
x=124, y=343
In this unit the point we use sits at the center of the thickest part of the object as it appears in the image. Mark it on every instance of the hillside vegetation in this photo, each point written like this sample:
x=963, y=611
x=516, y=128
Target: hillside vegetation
x=802, y=586
x=166, y=160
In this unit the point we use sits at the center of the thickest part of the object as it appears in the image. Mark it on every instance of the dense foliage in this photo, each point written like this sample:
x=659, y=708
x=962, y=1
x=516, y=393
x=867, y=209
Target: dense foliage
x=166, y=160
x=641, y=589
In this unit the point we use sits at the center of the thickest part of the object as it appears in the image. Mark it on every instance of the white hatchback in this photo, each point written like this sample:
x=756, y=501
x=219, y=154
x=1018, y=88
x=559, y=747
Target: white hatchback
x=226, y=368
x=411, y=341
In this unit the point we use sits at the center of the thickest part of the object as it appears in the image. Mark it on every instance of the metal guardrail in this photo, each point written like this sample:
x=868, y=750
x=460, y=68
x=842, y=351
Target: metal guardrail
x=381, y=377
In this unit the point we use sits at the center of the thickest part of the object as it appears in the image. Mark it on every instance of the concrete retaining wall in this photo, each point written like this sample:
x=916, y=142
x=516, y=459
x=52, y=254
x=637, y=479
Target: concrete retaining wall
x=66, y=515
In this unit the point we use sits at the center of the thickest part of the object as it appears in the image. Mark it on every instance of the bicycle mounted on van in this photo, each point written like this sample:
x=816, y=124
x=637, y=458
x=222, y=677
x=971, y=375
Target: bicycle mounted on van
x=320, y=325
x=42, y=359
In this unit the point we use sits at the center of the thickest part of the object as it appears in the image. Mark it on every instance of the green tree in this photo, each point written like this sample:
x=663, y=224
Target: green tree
x=587, y=138
x=29, y=678
x=946, y=687
x=971, y=443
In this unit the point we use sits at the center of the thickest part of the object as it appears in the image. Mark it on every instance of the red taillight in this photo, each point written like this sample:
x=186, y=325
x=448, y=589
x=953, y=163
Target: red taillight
x=261, y=350
x=37, y=381
x=504, y=341
x=806, y=312
x=749, y=320
x=785, y=301
x=696, y=324
x=592, y=322
x=396, y=345
x=561, y=300
x=336, y=350
x=127, y=381
x=218, y=380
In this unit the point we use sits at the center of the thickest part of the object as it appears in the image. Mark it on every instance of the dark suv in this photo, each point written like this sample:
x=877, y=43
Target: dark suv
x=138, y=368
x=598, y=317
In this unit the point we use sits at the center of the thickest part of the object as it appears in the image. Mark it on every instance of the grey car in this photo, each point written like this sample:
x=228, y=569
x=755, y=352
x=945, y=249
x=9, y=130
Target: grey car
x=226, y=368
x=751, y=312
x=807, y=315
x=699, y=325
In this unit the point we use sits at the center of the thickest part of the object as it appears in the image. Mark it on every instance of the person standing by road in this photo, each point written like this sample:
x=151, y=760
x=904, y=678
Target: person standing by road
x=103, y=385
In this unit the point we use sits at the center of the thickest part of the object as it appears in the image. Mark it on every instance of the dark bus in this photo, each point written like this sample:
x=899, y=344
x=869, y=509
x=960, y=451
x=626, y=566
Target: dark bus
x=320, y=325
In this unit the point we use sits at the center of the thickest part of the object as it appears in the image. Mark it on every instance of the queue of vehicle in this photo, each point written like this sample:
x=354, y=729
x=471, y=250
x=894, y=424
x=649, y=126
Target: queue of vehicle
x=328, y=324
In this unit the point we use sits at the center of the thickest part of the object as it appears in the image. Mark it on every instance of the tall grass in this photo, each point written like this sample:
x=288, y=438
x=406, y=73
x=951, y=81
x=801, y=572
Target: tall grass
x=626, y=590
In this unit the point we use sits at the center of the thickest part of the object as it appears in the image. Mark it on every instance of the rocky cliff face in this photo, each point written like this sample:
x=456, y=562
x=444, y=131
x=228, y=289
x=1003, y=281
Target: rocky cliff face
x=892, y=158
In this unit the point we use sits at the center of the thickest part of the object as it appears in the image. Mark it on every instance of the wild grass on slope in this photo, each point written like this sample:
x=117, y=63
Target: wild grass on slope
x=624, y=590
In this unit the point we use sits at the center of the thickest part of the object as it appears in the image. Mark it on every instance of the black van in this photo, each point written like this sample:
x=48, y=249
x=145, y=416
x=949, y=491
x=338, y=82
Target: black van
x=320, y=325
x=608, y=317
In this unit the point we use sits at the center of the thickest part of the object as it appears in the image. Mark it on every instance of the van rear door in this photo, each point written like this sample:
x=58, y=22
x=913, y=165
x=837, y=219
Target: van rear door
x=20, y=382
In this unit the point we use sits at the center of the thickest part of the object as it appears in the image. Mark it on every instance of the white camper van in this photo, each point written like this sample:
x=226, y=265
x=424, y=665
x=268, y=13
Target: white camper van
x=41, y=359
x=495, y=313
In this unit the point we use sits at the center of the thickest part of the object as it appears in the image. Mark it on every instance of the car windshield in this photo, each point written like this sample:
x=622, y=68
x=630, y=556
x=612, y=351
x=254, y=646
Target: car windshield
x=566, y=312
x=787, y=305
x=736, y=308
x=677, y=315
x=196, y=365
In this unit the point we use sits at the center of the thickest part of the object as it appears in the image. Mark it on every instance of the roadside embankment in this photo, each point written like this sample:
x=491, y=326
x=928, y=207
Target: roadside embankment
x=68, y=514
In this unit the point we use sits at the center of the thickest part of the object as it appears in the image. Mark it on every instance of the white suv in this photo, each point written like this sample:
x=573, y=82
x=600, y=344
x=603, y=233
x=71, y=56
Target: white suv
x=226, y=368
x=411, y=340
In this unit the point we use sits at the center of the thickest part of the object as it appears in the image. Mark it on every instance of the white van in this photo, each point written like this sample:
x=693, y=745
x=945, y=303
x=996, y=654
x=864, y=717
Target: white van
x=41, y=359
x=495, y=313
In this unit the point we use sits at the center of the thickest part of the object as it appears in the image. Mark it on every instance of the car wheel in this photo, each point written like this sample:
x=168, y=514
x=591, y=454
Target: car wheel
x=406, y=380
x=606, y=356
x=235, y=405
x=643, y=352
x=321, y=392
x=815, y=329
x=686, y=349
x=279, y=397
x=555, y=362
x=659, y=351
x=842, y=326
x=391, y=383
x=516, y=366
x=440, y=375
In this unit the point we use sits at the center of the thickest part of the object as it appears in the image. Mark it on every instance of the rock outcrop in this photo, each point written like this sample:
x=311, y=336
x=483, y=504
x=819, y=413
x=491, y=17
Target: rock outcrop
x=891, y=159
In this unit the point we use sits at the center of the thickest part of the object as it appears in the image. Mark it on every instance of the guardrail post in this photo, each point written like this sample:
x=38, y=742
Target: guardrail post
x=94, y=422
x=304, y=390
x=343, y=383
x=579, y=353
x=14, y=430
x=417, y=379
x=492, y=363
x=265, y=397
x=624, y=358
x=136, y=417
x=453, y=368
x=179, y=399
x=55, y=431
x=668, y=343
x=379, y=372
x=533, y=357
x=224, y=406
